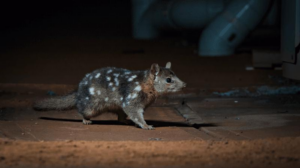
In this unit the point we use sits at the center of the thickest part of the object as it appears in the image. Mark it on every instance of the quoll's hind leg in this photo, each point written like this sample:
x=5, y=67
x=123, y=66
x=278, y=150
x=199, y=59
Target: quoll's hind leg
x=87, y=114
x=137, y=116
x=86, y=121
x=122, y=117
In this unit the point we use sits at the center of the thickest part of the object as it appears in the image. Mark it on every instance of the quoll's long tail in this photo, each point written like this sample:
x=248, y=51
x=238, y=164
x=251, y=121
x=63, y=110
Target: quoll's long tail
x=57, y=103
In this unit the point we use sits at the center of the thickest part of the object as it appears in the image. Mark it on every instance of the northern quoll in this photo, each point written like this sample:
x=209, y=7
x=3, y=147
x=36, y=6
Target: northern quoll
x=124, y=92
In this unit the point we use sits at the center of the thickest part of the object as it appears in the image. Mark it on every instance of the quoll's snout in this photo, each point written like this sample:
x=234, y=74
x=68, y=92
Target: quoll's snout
x=183, y=85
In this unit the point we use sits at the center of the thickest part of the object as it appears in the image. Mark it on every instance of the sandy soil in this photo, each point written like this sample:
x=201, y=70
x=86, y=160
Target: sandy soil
x=280, y=152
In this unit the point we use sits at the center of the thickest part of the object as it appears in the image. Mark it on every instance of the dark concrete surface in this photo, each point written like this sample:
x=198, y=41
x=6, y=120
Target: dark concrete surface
x=18, y=121
x=203, y=118
x=249, y=118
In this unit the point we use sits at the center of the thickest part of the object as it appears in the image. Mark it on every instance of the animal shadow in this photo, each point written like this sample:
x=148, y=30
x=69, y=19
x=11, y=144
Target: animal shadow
x=155, y=123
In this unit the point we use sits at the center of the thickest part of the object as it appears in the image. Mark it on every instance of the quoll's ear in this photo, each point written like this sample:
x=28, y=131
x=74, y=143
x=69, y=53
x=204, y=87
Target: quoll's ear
x=168, y=65
x=154, y=69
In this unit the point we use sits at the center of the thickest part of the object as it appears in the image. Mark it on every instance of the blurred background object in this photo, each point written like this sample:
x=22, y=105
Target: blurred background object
x=290, y=38
x=224, y=25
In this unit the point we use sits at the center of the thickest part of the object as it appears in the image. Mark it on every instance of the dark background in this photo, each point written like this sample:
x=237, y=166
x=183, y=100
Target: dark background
x=58, y=42
x=24, y=22
x=31, y=21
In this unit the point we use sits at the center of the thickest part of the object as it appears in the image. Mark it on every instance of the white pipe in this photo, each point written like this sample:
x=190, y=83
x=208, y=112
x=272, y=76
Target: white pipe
x=229, y=22
x=152, y=16
x=230, y=28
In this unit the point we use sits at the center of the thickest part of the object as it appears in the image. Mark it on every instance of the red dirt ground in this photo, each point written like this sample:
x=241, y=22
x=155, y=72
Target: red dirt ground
x=283, y=152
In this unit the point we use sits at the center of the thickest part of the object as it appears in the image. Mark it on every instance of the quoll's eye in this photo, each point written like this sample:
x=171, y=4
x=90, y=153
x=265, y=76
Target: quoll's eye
x=169, y=80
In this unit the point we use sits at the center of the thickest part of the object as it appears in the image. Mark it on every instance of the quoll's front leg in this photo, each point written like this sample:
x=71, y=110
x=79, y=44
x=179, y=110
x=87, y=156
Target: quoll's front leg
x=136, y=114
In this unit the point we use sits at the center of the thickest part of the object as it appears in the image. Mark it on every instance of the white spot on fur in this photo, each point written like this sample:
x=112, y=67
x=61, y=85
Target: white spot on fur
x=87, y=75
x=113, y=89
x=98, y=75
x=109, y=71
x=138, y=88
x=117, y=81
x=110, y=84
x=140, y=111
x=129, y=96
x=134, y=96
x=87, y=98
x=106, y=99
x=116, y=74
x=92, y=91
x=127, y=73
x=121, y=98
x=131, y=78
x=84, y=82
x=137, y=83
x=108, y=78
x=98, y=92
x=123, y=105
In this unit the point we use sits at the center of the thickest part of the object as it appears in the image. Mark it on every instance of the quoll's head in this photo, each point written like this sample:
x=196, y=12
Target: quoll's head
x=165, y=80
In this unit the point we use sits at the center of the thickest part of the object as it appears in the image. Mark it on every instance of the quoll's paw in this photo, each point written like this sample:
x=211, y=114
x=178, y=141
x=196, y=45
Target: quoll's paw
x=148, y=127
x=87, y=122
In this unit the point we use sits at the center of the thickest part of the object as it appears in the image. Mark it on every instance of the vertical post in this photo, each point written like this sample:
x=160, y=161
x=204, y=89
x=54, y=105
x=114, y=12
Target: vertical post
x=290, y=38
